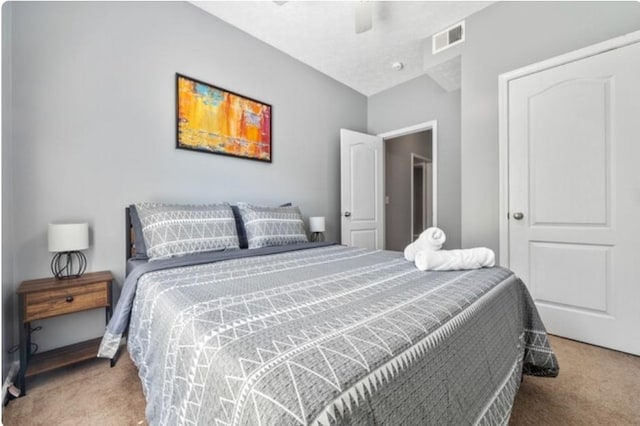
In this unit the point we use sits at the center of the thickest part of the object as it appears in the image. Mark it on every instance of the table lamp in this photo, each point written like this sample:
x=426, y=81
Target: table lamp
x=316, y=224
x=66, y=240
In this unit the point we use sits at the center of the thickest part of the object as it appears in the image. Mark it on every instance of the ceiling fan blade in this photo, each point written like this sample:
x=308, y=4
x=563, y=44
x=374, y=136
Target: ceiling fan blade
x=363, y=14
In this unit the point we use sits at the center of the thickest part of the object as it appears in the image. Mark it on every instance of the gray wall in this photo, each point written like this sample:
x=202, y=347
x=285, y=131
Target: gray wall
x=93, y=128
x=501, y=38
x=418, y=101
x=397, y=181
x=9, y=336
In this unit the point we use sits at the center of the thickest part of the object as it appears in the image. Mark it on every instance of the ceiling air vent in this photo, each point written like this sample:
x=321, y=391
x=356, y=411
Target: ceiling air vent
x=449, y=37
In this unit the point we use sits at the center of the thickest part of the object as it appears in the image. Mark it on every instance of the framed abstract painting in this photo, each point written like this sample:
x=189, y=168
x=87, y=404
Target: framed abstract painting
x=217, y=121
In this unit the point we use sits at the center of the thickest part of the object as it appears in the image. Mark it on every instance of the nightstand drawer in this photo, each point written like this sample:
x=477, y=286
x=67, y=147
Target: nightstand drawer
x=51, y=303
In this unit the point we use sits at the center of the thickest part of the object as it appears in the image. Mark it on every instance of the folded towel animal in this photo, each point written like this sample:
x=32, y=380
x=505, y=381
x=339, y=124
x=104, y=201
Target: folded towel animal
x=431, y=239
x=453, y=260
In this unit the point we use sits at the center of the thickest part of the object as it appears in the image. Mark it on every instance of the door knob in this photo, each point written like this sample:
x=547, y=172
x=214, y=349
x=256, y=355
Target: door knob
x=518, y=216
x=347, y=214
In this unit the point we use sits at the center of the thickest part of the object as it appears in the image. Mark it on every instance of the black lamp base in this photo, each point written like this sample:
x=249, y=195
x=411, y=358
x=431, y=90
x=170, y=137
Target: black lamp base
x=68, y=264
x=317, y=237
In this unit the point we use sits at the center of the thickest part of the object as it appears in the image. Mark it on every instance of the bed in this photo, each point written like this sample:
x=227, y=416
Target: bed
x=317, y=333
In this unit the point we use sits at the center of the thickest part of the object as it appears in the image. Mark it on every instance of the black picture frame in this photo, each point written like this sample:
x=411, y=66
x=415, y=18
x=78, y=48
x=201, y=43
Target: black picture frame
x=215, y=120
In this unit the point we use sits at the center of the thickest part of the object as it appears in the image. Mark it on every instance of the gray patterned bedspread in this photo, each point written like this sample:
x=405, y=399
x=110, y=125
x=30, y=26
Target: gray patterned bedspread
x=333, y=335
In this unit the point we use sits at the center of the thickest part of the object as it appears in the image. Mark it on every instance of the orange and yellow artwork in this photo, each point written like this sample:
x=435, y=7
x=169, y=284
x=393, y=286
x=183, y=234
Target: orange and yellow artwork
x=215, y=120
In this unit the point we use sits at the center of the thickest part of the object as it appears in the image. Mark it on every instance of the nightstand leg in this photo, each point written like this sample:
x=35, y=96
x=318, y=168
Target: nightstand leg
x=25, y=330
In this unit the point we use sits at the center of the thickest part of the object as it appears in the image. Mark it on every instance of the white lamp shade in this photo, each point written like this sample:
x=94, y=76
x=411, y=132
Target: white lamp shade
x=316, y=224
x=68, y=236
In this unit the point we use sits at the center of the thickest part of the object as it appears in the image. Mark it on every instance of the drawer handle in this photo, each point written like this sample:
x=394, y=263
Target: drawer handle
x=69, y=299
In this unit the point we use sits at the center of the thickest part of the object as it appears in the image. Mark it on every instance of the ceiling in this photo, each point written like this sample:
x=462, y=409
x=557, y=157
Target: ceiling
x=322, y=35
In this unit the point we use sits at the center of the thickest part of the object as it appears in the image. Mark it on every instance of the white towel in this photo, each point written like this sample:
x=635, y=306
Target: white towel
x=431, y=239
x=453, y=260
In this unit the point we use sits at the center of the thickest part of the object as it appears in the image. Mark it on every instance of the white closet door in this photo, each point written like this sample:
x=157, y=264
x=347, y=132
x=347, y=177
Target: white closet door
x=574, y=195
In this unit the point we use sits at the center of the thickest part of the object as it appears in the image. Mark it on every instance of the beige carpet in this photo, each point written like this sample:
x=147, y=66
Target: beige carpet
x=596, y=387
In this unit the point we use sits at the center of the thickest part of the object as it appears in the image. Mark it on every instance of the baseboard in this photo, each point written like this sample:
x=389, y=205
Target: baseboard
x=10, y=379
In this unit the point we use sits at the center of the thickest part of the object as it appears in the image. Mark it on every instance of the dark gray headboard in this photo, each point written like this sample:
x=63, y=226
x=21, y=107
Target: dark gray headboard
x=130, y=248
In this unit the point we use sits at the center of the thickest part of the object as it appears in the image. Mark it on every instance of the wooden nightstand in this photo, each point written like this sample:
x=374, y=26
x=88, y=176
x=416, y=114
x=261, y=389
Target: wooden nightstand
x=51, y=297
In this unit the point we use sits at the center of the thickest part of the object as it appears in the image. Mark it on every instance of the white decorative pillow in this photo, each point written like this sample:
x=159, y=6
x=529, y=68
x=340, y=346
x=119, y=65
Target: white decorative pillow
x=172, y=230
x=272, y=226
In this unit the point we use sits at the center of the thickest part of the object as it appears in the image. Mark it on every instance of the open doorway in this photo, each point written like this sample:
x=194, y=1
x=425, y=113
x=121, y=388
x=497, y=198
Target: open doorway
x=410, y=184
x=421, y=202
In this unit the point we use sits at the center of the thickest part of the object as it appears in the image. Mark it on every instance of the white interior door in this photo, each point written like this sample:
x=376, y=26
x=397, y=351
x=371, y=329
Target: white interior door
x=362, y=189
x=574, y=195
